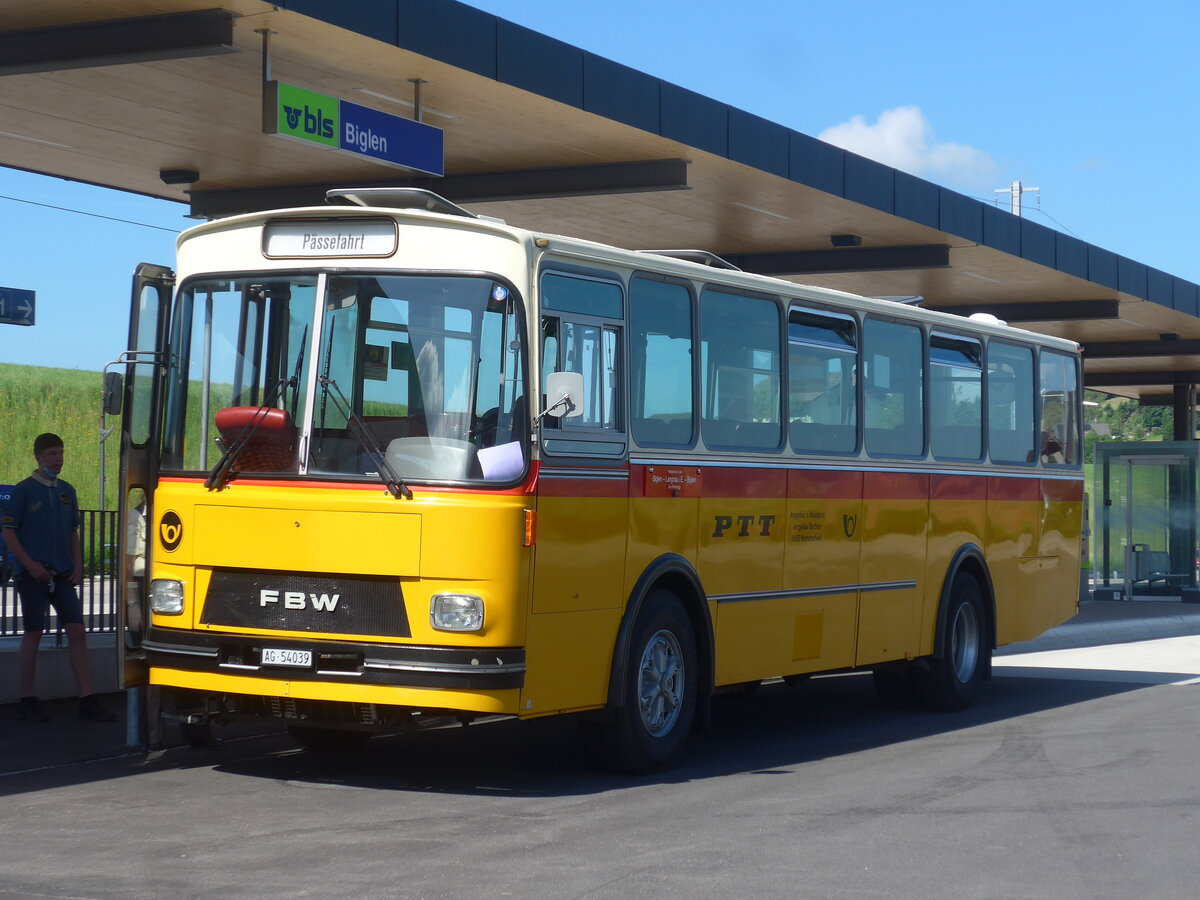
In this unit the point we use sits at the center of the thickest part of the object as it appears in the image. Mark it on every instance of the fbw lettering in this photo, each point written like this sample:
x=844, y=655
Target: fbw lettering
x=747, y=526
x=314, y=122
x=299, y=600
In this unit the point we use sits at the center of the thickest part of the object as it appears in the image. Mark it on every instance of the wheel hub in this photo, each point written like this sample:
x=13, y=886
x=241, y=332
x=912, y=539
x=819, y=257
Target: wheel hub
x=661, y=683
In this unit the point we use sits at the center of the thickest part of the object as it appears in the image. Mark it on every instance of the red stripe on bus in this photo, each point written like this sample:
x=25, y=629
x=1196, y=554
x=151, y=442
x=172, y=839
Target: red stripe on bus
x=578, y=484
x=1024, y=489
x=895, y=486
x=825, y=484
x=958, y=487
x=306, y=484
x=750, y=484
x=1055, y=489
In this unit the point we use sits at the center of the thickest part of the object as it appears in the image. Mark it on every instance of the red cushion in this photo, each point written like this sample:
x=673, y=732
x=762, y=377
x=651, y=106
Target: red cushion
x=269, y=448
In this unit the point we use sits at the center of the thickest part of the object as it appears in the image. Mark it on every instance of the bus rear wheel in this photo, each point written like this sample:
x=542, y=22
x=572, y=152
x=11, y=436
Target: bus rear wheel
x=950, y=681
x=654, y=721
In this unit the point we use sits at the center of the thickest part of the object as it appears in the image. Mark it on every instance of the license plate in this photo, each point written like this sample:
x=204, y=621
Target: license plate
x=279, y=656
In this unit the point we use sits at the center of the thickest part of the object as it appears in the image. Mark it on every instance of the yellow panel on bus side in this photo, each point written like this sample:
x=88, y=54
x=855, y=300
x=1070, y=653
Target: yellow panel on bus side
x=1014, y=525
x=579, y=555
x=568, y=659
x=957, y=517
x=1058, y=546
x=740, y=558
x=741, y=530
x=663, y=519
x=578, y=587
x=895, y=526
x=824, y=543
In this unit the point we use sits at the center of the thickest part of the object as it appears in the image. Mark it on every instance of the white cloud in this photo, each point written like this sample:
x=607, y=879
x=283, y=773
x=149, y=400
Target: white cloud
x=903, y=138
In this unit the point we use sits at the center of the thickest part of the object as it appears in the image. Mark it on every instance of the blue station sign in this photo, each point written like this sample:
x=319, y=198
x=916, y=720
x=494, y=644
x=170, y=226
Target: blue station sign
x=315, y=118
x=17, y=307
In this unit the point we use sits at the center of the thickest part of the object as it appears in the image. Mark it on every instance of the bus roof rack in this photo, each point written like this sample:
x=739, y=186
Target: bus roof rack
x=396, y=198
x=697, y=256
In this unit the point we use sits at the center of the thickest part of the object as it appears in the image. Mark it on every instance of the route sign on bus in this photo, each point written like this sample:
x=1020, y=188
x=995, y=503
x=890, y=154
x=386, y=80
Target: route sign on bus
x=16, y=306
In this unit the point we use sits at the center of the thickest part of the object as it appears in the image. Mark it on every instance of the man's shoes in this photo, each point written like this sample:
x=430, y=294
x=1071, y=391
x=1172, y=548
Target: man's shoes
x=30, y=711
x=90, y=710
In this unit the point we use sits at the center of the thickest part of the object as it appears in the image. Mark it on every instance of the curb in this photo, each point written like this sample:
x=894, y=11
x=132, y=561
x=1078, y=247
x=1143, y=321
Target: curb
x=1102, y=622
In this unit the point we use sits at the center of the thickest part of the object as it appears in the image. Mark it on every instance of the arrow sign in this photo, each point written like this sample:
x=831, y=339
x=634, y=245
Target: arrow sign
x=16, y=306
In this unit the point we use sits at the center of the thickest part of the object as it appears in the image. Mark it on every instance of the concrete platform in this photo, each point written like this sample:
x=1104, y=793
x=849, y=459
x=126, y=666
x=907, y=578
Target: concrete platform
x=1116, y=622
x=54, y=678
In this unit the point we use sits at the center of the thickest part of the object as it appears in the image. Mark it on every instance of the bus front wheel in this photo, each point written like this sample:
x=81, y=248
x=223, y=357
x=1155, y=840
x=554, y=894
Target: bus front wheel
x=950, y=681
x=653, y=723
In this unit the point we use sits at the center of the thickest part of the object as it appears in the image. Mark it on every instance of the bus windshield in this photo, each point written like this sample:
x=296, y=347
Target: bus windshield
x=421, y=375
x=430, y=369
x=238, y=344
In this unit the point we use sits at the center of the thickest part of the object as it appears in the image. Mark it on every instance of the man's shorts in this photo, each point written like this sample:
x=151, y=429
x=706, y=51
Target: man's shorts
x=36, y=599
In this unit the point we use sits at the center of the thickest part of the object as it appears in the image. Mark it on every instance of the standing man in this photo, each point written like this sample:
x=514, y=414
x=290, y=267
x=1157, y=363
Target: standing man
x=41, y=530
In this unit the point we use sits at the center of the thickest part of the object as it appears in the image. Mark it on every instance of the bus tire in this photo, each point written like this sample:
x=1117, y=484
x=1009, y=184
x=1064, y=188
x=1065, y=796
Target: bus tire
x=654, y=720
x=949, y=681
x=328, y=740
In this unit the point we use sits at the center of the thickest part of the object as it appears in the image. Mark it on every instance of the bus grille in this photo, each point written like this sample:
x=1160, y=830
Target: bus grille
x=298, y=601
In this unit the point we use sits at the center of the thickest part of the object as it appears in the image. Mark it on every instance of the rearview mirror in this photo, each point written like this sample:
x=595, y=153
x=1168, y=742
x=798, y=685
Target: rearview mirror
x=113, y=393
x=564, y=395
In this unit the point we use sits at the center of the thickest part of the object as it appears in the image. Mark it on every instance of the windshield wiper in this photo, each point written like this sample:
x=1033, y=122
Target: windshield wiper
x=221, y=471
x=366, y=441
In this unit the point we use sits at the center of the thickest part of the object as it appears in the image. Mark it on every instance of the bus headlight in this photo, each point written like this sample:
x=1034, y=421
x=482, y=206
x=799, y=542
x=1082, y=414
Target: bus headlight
x=456, y=612
x=166, y=597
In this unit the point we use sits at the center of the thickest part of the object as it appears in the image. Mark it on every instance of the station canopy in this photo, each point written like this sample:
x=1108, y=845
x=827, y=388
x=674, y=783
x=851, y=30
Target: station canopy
x=165, y=98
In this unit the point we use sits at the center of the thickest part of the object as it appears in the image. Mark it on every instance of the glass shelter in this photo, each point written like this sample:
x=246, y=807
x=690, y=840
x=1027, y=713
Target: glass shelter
x=1144, y=516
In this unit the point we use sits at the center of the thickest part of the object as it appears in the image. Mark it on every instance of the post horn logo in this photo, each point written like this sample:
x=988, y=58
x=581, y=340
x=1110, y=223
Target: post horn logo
x=849, y=523
x=170, y=530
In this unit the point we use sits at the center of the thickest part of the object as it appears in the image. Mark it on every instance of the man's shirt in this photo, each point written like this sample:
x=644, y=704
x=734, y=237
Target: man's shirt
x=44, y=512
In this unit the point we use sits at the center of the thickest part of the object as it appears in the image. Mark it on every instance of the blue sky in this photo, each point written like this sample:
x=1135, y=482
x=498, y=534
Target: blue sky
x=1094, y=104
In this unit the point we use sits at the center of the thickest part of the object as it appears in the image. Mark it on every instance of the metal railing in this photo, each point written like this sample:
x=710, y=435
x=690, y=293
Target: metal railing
x=98, y=590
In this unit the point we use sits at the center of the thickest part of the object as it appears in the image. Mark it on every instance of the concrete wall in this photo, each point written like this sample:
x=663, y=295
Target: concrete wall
x=54, y=678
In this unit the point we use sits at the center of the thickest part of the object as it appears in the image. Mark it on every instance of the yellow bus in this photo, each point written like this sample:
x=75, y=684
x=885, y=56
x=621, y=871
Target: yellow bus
x=406, y=466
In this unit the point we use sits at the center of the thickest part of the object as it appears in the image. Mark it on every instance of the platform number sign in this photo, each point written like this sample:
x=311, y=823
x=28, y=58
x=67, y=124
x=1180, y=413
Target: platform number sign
x=16, y=306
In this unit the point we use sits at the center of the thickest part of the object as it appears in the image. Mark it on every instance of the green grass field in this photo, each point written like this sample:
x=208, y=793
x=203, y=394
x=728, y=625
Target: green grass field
x=34, y=399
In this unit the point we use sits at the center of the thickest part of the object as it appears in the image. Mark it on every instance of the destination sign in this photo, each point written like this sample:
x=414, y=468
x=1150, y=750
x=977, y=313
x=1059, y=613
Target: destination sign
x=299, y=238
x=306, y=115
x=17, y=307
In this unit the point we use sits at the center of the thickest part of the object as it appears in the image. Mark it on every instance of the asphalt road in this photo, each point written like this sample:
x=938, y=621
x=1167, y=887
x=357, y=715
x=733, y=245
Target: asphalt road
x=1069, y=778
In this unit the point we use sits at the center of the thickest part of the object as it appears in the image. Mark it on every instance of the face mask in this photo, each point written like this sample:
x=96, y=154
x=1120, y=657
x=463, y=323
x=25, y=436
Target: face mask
x=49, y=474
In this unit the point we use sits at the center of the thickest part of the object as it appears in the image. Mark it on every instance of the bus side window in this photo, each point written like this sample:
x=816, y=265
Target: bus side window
x=1010, y=403
x=822, y=382
x=741, y=337
x=894, y=393
x=662, y=389
x=581, y=332
x=956, y=397
x=1059, y=387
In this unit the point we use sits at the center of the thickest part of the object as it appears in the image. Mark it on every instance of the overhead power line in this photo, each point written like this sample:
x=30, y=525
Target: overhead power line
x=82, y=212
